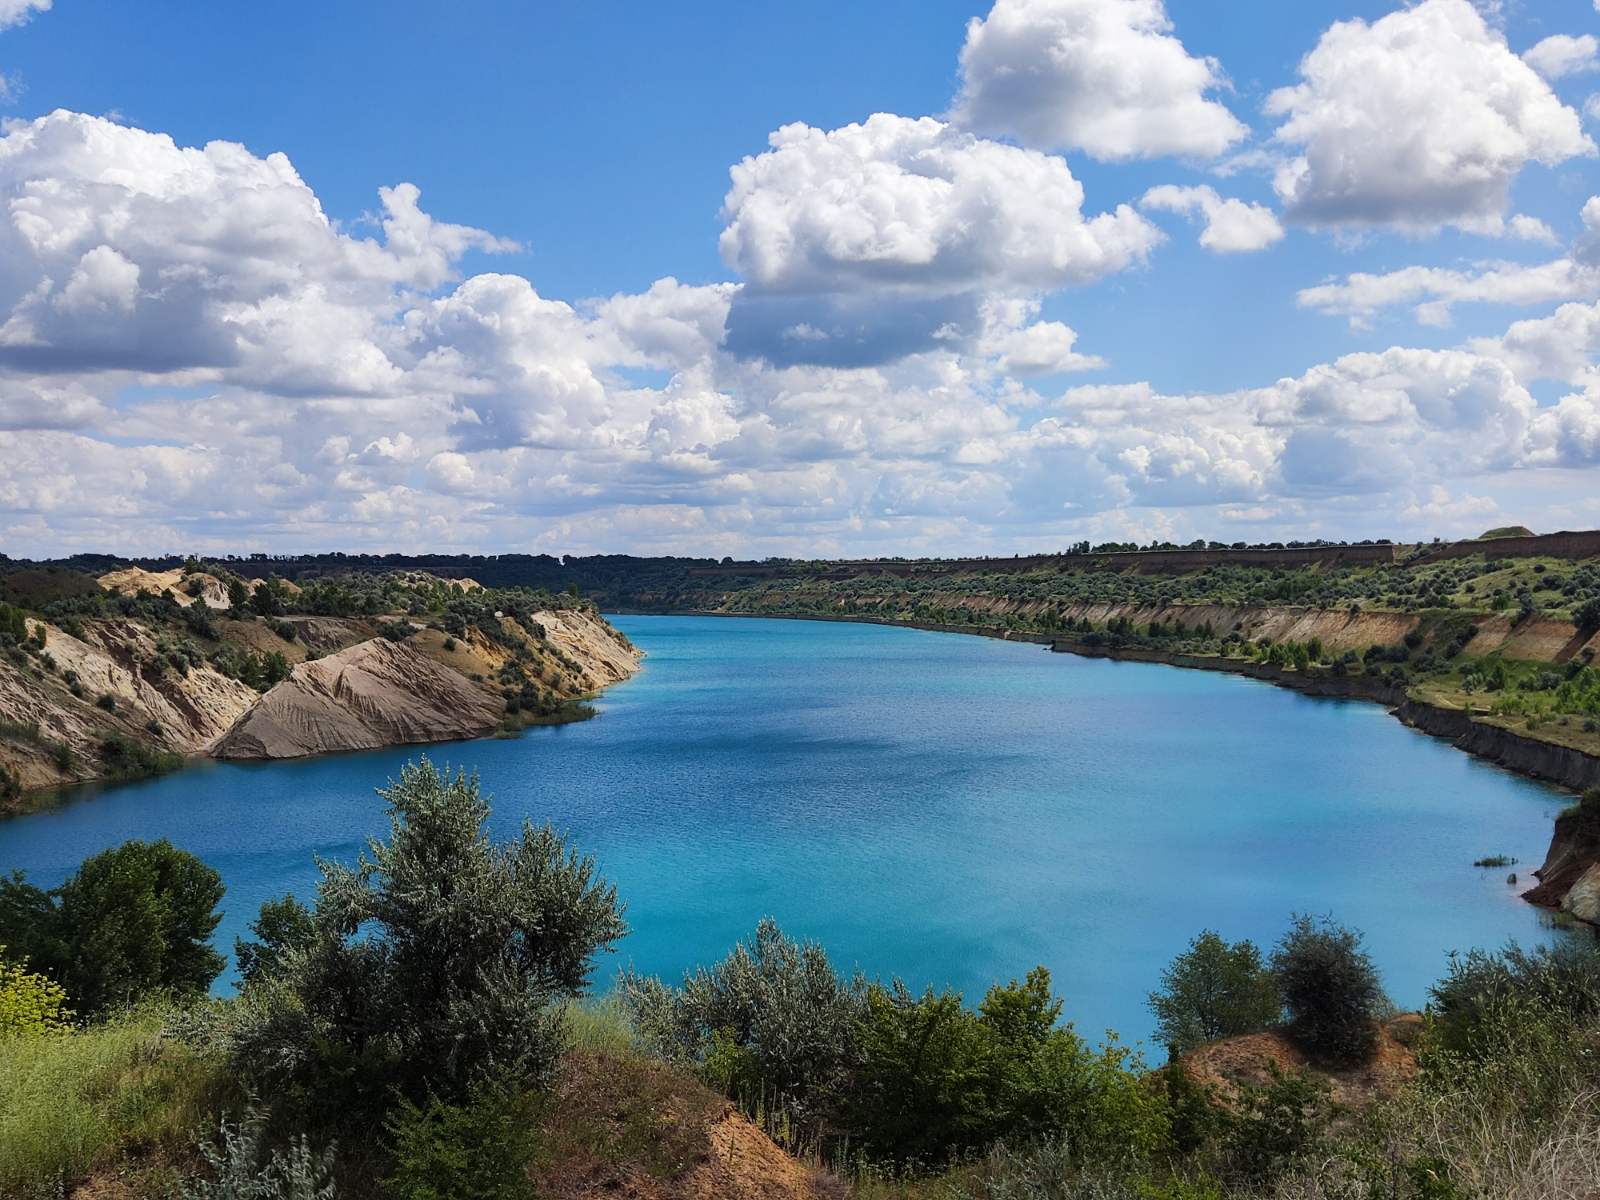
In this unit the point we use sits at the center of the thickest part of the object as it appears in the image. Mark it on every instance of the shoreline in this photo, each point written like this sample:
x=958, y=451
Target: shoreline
x=1535, y=758
x=1532, y=758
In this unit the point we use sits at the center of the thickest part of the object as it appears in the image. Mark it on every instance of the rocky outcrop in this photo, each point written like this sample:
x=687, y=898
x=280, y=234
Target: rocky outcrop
x=58, y=710
x=185, y=589
x=1583, y=897
x=118, y=698
x=1570, y=877
x=376, y=693
x=601, y=654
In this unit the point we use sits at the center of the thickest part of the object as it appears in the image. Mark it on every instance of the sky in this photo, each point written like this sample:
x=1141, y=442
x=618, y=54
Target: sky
x=825, y=279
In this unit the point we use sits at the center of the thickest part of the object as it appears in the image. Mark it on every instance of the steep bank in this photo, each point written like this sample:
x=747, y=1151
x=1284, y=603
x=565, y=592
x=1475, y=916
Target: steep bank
x=88, y=698
x=376, y=693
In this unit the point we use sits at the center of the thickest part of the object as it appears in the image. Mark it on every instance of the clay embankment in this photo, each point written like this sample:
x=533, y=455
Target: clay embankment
x=65, y=715
x=427, y=688
x=377, y=693
x=1251, y=1060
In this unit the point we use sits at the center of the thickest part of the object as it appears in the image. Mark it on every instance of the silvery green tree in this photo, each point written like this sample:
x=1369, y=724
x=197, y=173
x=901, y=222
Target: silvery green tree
x=439, y=960
x=772, y=1023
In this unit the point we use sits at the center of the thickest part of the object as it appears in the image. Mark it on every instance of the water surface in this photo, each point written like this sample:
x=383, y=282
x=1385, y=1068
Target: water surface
x=950, y=809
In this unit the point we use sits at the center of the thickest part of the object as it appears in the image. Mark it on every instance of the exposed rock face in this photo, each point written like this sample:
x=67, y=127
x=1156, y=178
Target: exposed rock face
x=376, y=693
x=1570, y=876
x=1583, y=897
x=116, y=659
x=603, y=657
x=132, y=581
x=1487, y=739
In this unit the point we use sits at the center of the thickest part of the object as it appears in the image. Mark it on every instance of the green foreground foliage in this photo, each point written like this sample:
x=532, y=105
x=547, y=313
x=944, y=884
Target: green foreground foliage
x=130, y=921
x=398, y=1039
x=434, y=965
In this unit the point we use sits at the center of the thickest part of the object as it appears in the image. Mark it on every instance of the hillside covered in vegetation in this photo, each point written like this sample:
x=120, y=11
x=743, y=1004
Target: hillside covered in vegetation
x=128, y=673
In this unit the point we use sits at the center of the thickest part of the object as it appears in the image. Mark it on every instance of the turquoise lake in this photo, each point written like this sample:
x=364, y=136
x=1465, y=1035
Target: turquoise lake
x=949, y=809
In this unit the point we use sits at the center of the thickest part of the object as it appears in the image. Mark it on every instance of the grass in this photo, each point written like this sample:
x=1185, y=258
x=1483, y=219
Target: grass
x=601, y=1025
x=96, y=1097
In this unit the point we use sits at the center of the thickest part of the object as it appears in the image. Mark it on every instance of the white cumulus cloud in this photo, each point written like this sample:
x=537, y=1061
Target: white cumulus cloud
x=1103, y=76
x=1561, y=55
x=879, y=239
x=1418, y=120
x=1233, y=226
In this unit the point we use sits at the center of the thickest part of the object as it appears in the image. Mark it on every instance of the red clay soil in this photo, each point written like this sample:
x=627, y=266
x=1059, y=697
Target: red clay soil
x=625, y=1127
x=1226, y=1064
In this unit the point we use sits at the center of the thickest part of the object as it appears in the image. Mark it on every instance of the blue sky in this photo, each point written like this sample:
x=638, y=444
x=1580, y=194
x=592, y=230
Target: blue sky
x=834, y=377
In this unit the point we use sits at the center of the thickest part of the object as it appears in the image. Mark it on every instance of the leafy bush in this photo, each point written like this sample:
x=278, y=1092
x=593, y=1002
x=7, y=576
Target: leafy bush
x=463, y=948
x=30, y=1004
x=1213, y=990
x=282, y=925
x=1331, y=990
x=478, y=1150
x=124, y=758
x=129, y=921
x=1275, y=1127
x=242, y=1166
x=778, y=1000
x=938, y=1080
x=1471, y=1001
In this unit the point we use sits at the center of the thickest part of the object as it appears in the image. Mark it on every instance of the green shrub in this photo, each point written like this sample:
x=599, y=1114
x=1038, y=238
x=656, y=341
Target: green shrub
x=1214, y=990
x=1470, y=1004
x=477, y=1150
x=282, y=925
x=1276, y=1127
x=123, y=758
x=1331, y=991
x=777, y=999
x=30, y=1004
x=939, y=1081
x=241, y=1165
x=129, y=921
x=464, y=949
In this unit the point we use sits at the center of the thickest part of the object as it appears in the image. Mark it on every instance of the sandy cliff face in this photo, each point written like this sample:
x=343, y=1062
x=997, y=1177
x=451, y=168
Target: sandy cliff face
x=376, y=693
x=602, y=656
x=383, y=693
x=363, y=694
x=133, y=581
x=149, y=705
